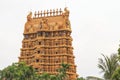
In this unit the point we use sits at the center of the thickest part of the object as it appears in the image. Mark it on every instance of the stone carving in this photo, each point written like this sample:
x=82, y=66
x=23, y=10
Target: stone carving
x=27, y=27
x=56, y=26
x=33, y=24
x=44, y=24
x=40, y=26
x=66, y=12
x=35, y=27
x=29, y=16
x=60, y=27
x=30, y=44
x=31, y=29
x=66, y=23
x=51, y=26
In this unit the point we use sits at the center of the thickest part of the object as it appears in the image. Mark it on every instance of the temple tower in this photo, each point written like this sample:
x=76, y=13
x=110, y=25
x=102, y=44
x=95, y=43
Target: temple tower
x=47, y=42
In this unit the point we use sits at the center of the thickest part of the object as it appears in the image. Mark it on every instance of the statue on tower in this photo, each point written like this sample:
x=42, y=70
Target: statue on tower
x=66, y=11
x=66, y=18
x=28, y=24
x=29, y=16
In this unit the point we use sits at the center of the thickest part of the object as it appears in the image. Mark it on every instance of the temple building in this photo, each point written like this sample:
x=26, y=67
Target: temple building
x=47, y=42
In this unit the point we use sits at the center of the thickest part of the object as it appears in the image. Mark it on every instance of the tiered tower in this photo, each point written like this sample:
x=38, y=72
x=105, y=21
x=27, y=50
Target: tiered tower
x=47, y=42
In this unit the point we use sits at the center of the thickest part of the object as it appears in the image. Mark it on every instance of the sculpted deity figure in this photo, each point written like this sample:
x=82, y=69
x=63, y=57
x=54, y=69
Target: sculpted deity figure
x=29, y=16
x=44, y=23
x=28, y=24
x=66, y=11
x=31, y=29
x=67, y=23
x=65, y=14
x=56, y=26
x=28, y=28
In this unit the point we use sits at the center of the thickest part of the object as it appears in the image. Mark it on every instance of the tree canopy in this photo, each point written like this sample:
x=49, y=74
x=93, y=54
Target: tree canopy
x=21, y=71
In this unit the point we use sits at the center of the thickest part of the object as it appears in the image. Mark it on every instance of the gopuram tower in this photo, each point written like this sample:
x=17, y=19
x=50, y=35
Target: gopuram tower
x=47, y=42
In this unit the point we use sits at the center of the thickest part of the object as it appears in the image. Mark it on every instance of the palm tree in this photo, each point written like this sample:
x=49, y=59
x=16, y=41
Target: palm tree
x=81, y=78
x=108, y=65
x=62, y=71
x=44, y=76
x=119, y=51
x=116, y=74
x=0, y=73
x=53, y=77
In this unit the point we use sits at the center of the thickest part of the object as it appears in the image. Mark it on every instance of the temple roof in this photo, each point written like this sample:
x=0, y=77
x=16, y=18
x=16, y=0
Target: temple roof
x=47, y=20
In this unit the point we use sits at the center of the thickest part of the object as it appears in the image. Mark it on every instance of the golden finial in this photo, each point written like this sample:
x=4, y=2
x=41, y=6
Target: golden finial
x=41, y=13
x=56, y=11
x=38, y=14
x=44, y=12
x=60, y=11
x=66, y=11
x=29, y=16
x=47, y=12
x=50, y=12
x=35, y=14
x=53, y=11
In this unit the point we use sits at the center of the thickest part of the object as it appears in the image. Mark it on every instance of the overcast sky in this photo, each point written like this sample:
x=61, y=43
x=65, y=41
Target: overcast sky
x=95, y=29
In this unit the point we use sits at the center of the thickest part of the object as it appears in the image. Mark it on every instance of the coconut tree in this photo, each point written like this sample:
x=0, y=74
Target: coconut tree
x=108, y=65
x=0, y=73
x=53, y=77
x=119, y=51
x=116, y=74
x=62, y=71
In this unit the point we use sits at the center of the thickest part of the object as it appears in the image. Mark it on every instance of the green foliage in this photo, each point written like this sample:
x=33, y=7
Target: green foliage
x=119, y=51
x=116, y=74
x=53, y=77
x=81, y=78
x=62, y=72
x=108, y=65
x=20, y=71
